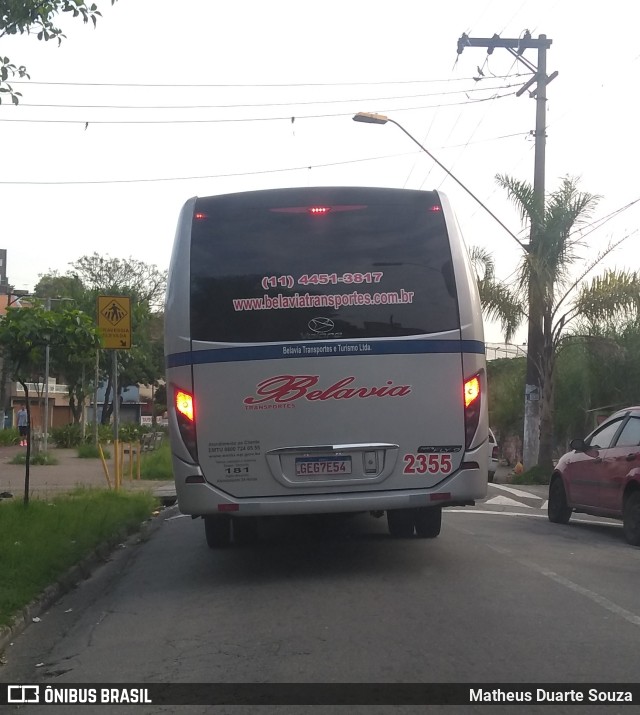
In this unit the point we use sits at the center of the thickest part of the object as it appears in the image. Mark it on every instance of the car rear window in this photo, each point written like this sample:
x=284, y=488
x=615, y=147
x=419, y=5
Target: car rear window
x=320, y=264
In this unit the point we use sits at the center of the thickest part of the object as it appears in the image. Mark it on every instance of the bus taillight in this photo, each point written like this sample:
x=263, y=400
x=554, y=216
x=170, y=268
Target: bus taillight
x=186, y=418
x=184, y=404
x=472, y=406
x=471, y=390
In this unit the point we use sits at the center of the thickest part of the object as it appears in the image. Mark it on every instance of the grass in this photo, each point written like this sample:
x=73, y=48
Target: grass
x=157, y=464
x=90, y=451
x=40, y=542
x=535, y=475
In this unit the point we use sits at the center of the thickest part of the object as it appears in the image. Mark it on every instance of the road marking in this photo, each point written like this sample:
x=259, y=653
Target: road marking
x=505, y=501
x=588, y=593
x=515, y=492
x=601, y=601
x=499, y=513
x=545, y=504
x=531, y=516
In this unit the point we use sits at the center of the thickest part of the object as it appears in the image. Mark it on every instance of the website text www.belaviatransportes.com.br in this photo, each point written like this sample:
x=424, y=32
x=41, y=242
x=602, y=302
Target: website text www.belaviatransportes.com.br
x=308, y=300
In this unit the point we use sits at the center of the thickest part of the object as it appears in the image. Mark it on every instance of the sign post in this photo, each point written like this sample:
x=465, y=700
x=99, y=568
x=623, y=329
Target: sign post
x=114, y=324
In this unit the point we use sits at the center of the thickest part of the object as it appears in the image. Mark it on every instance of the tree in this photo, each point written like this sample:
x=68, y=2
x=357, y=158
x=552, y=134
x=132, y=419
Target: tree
x=145, y=284
x=53, y=285
x=598, y=372
x=24, y=335
x=505, y=378
x=39, y=18
x=550, y=272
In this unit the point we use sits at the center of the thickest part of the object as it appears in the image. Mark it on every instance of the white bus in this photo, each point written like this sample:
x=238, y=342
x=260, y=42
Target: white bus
x=325, y=353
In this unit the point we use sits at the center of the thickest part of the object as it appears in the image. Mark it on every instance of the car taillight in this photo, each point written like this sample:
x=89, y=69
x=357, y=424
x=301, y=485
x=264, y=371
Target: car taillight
x=186, y=417
x=494, y=452
x=472, y=405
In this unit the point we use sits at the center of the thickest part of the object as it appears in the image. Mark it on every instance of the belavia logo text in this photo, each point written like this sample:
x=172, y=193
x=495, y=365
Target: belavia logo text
x=287, y=388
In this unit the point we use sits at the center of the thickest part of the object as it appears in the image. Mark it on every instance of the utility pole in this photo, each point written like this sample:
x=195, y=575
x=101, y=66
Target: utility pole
x=535, y=342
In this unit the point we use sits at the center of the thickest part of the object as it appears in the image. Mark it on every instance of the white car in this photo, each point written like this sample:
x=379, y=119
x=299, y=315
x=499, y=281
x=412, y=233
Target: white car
x=493, y=456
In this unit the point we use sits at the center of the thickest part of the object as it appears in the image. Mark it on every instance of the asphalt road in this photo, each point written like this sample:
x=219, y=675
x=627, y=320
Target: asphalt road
x=501, y=596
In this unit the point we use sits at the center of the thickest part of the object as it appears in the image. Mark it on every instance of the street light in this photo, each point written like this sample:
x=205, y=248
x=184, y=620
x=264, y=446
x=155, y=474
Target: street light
x=372, y=118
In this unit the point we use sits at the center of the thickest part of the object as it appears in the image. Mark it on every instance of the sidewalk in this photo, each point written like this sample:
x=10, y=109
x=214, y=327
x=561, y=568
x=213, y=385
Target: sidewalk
x=69, y=473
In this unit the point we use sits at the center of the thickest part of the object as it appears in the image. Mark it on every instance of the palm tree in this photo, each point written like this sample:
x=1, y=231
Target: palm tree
x=550, y=288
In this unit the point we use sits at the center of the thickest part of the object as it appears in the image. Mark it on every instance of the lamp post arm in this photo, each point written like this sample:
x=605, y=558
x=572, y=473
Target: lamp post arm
x=473, y=196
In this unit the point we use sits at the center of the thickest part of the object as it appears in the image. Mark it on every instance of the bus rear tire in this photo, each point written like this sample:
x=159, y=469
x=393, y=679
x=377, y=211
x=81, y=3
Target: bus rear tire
x=400, y=523
x=428, y=521
x=217, y=530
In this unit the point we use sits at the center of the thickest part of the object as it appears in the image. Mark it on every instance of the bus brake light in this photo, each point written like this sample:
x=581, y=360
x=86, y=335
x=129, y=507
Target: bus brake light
x=472, y=408
x=471, y=391
x=184, y=404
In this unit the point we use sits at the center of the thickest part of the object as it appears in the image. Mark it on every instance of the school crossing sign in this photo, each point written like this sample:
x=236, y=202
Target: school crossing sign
x=114, y=321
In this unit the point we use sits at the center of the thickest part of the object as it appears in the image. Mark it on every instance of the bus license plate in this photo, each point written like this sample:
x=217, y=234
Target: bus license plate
x=322, y=466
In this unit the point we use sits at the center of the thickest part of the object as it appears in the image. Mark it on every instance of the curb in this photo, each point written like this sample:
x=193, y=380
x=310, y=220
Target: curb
x=78, y=573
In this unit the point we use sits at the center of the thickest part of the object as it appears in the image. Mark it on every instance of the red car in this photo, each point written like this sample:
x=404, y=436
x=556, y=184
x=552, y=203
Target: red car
x=601, y=475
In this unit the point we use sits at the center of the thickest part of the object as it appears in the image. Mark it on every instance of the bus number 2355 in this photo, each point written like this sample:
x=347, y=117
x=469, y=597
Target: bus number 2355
x=427, y=463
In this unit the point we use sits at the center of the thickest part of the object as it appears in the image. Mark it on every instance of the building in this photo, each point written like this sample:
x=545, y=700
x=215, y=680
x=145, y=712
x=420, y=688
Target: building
x=58, y=403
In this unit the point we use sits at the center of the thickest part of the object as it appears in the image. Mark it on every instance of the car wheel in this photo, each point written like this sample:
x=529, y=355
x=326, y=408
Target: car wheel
x=245, y=530
x=217, y=530
x=558, y=510
x=400, y=523
x=631, y=518
x=428, y=521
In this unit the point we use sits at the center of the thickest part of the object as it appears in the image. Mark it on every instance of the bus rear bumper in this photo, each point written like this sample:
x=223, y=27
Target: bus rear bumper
x=203, y=499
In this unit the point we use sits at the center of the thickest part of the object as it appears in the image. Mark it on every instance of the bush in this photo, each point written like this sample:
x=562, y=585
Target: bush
x=105, y=433
x=9, y=436
x=70, y=435
x=131, y=432
x=41, y=458
x=67, y=436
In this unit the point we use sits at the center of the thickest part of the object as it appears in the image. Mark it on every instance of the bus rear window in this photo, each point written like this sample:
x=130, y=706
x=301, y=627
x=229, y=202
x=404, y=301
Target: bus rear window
x=320, y=264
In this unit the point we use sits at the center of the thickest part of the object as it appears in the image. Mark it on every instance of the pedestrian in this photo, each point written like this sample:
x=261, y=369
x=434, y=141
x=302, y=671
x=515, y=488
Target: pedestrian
x=23, y=425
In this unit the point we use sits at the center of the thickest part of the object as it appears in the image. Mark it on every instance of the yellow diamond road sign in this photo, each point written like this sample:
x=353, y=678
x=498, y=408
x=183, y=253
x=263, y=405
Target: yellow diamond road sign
x=114, y=321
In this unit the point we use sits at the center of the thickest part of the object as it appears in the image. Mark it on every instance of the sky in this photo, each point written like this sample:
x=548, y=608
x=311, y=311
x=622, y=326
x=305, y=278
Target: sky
x=163, y=101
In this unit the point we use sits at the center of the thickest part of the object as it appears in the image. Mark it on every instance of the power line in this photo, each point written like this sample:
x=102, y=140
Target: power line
x=210, y=176
x=217, y=176
x=245, y=119
x=250, y=85
x=600, y=222
x=263, y=104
